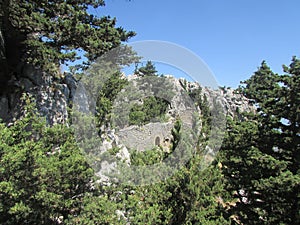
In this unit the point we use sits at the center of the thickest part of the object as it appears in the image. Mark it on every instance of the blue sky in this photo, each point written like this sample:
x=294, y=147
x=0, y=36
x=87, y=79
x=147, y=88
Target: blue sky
x=232, y=37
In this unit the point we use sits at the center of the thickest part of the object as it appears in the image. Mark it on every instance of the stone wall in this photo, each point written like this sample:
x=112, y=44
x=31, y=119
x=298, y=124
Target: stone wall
x=53, y=97
x=146, y=137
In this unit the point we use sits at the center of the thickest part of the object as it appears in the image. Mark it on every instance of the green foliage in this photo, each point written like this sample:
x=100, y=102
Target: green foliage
x=261, y=154
x=190, y=196
x=50, y=33
x=152, y=108
x=193, y=195
x=211, y=120
x=114, y=150
x=148, y=70
x=43, y=174
x=147, y=157
x=176, y=134
x=107, y=96
x=45, y=178
x=205, y=195
x=200, y=100
x=96, y=210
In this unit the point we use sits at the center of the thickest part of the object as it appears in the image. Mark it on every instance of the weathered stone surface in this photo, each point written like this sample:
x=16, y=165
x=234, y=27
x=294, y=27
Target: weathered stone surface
x=123, y=154
x=153, y=134
x=36, y=76
x=230, y=101
x=53, y=96
x=71, y=83
x=146, y=137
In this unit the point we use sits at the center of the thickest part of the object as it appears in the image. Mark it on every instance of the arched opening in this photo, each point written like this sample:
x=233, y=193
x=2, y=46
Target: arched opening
x=157, y=141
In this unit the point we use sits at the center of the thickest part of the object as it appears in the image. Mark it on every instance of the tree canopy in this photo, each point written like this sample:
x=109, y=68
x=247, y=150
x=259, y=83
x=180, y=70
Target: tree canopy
x=43, y=174
x=262, y=153
x=45, y=178
x=50, y=33
x=147, y=70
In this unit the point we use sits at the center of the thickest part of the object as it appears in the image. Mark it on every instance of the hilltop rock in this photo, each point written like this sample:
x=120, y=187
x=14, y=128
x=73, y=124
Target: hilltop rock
x=52, y=96
x=153, y=134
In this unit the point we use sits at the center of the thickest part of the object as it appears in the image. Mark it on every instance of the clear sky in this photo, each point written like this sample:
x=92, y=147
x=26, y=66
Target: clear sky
x=231, y=36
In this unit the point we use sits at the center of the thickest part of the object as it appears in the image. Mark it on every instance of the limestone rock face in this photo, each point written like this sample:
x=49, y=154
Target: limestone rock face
x=146, y=137
x=52, y=96
x=234, y=103
x=229, y=99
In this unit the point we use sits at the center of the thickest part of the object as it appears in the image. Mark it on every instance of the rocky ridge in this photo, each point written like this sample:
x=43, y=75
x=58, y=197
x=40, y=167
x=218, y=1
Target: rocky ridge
x=55, y=96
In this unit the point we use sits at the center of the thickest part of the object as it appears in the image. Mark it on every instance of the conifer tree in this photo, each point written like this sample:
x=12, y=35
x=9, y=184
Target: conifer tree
x=50, y=33
x=148, y=70
x=43, y=175
x=262, y=153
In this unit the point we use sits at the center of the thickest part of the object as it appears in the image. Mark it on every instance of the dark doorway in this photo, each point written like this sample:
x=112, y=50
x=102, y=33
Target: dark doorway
x=157, y=141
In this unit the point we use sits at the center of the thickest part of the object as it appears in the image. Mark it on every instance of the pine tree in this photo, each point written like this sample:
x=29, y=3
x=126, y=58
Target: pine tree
x=50, y=33
x=262, y=153
x=148, y=70
x=43, y=174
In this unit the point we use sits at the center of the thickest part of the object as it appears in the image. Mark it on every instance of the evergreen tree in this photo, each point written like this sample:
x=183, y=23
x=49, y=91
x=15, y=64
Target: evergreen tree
x=148, y=70
x=107, y=96
x=262, y=153
x=152, y=108
x=43, y=174
x=50, y=33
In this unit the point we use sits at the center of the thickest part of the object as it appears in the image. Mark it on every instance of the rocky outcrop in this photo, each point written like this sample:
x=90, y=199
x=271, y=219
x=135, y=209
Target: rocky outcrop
x=154, y=134
x=53, y=95
x=229, y=99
